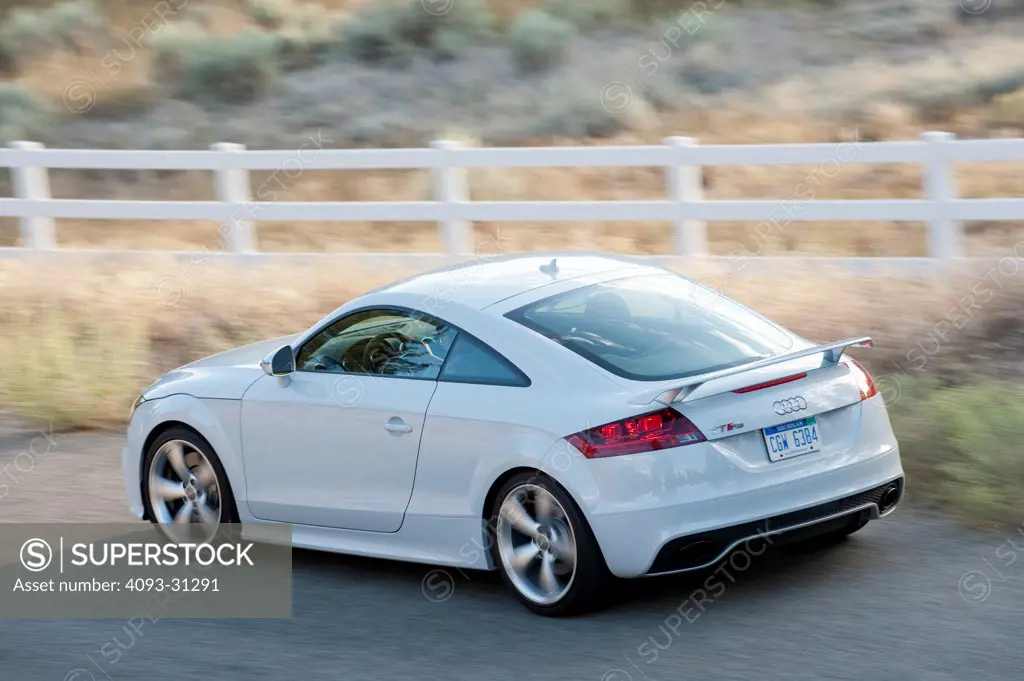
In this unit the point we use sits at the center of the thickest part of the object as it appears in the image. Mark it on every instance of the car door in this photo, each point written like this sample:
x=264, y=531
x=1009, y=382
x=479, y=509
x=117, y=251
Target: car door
x=335, y=443
x=475, y=420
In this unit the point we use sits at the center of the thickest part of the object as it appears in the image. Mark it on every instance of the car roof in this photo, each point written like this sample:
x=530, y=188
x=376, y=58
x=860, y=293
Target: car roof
x=480, y=283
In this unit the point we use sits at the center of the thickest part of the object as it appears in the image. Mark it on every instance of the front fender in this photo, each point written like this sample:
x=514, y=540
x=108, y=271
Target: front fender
x=217, y=420
x=219, y=382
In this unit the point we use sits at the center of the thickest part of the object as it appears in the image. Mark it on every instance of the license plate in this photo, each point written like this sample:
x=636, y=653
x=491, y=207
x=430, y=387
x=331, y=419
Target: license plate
x=787, y=440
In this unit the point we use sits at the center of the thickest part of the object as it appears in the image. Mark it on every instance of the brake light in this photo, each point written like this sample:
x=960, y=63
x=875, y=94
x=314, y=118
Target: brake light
x=865, y=384
x=771, y=384
x=662, y=429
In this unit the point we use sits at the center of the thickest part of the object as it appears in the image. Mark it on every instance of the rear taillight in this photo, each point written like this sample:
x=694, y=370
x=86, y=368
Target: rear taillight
x=865, y=384
x=662, y=429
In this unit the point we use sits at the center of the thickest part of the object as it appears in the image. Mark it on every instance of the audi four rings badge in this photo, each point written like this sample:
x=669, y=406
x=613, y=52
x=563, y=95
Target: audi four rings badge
x=790, y=405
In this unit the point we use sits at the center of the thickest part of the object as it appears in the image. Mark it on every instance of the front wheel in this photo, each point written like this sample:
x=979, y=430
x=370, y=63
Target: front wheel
x=544, y=548
x=184, y=487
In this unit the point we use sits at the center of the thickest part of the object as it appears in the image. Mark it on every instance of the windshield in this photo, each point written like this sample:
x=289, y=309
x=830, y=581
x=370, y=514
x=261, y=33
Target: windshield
x=655, y=327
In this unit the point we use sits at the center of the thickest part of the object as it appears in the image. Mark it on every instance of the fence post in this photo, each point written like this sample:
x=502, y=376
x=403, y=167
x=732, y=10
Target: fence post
x=232, y=186
x=939, y=181
x=686, y=185
x=33, y=183
x=451, y=186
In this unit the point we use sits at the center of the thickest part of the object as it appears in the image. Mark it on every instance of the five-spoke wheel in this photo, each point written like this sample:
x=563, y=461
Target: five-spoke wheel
x=536, y=544
x=544, y=548
x=185, y=486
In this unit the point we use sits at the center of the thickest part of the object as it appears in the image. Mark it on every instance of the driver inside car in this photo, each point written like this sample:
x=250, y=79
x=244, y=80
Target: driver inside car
x=402, y=355
x=389, y=353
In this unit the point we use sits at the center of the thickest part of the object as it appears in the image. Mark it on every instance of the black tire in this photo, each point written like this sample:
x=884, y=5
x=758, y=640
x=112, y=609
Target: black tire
x=590, y=583
x=229, y=510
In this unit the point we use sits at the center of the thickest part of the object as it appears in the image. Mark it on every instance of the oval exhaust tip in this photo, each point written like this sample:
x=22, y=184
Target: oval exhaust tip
x=889, y=498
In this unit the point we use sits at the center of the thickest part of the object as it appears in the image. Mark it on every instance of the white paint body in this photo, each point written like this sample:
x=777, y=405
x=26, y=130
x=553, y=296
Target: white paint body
x=315, y=449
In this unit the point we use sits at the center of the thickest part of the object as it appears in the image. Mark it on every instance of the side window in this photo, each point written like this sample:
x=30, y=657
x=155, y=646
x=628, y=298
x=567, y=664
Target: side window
x=470, y=361
x=380, y=342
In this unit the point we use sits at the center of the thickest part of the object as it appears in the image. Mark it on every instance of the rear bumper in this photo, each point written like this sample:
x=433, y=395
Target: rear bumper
x=696, y=552
x=632, y=542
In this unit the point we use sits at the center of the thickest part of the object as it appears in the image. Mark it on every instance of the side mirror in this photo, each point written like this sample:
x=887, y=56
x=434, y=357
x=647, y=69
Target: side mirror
x=280, y=362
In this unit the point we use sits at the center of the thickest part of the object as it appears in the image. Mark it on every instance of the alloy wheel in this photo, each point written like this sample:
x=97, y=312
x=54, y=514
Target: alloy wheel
x=184, y=492
x=537, y=544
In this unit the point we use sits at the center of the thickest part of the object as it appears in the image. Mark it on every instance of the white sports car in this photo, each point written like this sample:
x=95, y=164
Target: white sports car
x=559, y=419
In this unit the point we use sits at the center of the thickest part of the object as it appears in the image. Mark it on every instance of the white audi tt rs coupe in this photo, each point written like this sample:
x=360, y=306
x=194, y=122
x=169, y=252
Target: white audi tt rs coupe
x=561, y=419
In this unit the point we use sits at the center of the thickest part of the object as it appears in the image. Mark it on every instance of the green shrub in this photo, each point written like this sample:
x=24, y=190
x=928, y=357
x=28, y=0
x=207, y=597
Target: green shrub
x=539, y=40
x=65, y=26
x=1001, y=84
x=937, y=92
x=307, y=36
x=587, y=15
x=687, y=30
x=649, y=9
x=200, y=14
x=270, y=14
x=298, y=50
x=23, y=115
x=578, y=112
x=962, y=445
x=709, y=71
x=1007, y=110
x=25, y=33
x=395, y=31
x=122, y=103
x=69, y=18
x=210, y=69
x=172, y=43
x=8, y=63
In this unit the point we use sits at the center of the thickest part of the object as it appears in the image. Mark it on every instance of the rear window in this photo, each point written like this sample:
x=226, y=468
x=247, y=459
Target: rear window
x=654, y=328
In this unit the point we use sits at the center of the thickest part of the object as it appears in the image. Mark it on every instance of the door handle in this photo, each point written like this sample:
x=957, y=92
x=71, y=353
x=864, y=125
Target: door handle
x=398, y=427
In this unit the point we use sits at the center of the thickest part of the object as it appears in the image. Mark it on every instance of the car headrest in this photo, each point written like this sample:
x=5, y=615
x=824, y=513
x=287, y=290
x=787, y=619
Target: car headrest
x=606, y=306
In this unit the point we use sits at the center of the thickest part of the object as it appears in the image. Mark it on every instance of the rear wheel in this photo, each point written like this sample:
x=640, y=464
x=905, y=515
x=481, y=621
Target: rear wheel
x=544, y=548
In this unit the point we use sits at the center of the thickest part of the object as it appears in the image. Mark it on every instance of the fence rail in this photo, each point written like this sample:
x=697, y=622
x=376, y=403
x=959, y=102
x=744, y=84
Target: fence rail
x=682, y=159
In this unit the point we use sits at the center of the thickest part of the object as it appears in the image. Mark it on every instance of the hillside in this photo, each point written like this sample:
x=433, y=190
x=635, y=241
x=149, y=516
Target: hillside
x=276, y=73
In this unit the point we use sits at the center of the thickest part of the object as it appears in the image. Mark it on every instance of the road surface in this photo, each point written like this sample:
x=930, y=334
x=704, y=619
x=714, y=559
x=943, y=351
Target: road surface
x=915, y=596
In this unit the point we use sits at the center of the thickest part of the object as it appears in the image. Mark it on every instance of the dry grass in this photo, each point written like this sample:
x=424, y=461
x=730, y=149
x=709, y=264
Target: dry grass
x=960, y=447
x=937, y=85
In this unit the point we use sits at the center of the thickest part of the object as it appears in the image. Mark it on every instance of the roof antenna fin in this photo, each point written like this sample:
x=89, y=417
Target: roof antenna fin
x=551, y=269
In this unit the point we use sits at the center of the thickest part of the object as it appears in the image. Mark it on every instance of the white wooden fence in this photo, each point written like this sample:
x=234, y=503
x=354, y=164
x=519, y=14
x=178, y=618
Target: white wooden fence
x=682, y=158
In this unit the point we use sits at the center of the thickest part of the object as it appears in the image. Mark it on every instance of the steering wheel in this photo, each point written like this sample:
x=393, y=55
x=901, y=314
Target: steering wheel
x=379, y=349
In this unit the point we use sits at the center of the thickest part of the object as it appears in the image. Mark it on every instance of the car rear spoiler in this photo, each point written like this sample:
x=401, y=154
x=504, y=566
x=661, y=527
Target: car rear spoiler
x=832, y=353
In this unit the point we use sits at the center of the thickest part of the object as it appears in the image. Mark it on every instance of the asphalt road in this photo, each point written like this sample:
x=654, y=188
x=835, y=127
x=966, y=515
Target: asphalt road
x=914, y=596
